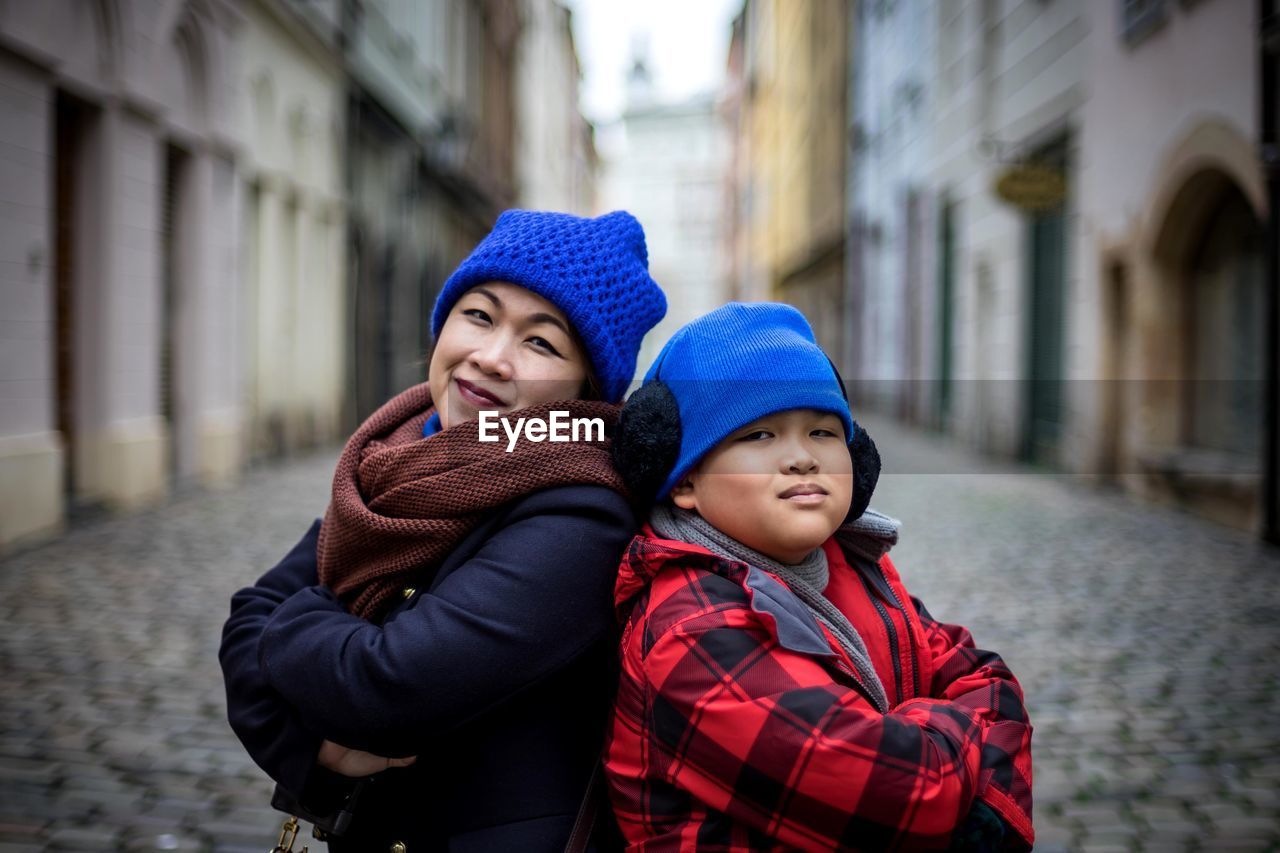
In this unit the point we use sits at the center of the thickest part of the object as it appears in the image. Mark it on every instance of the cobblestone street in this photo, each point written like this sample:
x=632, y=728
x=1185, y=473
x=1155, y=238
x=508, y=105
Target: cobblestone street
x=1146, y=641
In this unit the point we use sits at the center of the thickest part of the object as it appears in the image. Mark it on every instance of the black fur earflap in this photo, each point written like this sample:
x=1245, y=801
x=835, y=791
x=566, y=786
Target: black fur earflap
x=866, y=471
x=646, y=441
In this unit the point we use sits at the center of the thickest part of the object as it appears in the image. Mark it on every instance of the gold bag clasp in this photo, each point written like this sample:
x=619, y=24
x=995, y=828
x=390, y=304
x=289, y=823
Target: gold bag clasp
x=288, y=834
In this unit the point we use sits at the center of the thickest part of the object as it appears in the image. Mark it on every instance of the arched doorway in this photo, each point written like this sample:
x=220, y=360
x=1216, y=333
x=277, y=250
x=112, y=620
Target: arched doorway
x=1205, y=341
x=1226, y=329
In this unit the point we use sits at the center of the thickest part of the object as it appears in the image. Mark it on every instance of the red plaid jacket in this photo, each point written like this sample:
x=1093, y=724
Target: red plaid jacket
x=740, y=725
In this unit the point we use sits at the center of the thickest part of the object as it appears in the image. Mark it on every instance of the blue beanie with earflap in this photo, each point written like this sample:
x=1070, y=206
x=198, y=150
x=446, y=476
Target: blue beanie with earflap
x=737, y=364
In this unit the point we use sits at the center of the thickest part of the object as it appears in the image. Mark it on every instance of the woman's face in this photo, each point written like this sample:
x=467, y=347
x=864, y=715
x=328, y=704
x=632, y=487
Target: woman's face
x=503, y=348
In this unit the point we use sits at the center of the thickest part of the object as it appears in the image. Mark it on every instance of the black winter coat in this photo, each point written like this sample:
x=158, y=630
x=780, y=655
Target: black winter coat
x=497, y=676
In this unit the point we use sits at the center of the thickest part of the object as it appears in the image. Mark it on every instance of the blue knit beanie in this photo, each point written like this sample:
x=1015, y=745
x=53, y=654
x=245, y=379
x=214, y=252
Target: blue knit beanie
x=737, y=364
x=594, y=270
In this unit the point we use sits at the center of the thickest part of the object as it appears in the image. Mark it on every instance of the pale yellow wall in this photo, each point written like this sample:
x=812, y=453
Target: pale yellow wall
x=796, y=124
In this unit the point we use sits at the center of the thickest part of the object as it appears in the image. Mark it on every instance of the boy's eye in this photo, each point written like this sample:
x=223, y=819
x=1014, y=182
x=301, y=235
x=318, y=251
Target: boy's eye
x=824, y=433
x=756, y=435
x=477, y=314
x=543, y=343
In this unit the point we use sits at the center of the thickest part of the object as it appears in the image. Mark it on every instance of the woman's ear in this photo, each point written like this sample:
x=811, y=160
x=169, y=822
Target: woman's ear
x=866, y=471
x=646, y=441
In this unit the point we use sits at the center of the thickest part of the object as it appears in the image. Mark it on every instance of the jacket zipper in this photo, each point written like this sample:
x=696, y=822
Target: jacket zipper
x=915, y=670
x=893, y=639
x=857, y=682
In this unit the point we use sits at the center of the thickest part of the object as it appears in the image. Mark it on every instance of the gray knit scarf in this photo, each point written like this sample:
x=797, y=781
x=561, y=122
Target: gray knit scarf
x=807, y=579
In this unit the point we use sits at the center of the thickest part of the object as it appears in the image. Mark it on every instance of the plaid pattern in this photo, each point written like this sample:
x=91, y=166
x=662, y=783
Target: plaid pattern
x=723, y=738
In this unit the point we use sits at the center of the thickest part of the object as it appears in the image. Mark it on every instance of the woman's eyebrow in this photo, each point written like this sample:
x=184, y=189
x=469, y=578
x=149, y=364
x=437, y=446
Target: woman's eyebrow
x=547, y=318
x=494, y=299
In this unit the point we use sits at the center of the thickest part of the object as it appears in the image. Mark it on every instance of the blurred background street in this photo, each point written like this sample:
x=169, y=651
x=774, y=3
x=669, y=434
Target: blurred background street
x=1145, y=640
x=1038, y=237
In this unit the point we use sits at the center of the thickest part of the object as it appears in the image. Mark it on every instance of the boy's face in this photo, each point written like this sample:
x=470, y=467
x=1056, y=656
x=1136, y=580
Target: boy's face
x=781, y=485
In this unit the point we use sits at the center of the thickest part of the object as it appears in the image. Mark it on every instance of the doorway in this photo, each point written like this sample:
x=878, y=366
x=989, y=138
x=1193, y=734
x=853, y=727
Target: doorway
x=177, y=343
x=74, y=121
x=1046, y=267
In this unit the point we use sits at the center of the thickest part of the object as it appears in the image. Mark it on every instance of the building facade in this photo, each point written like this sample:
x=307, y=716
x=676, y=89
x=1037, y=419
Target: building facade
x=809, y=202
x=1173, y=299
x=226, y=222
x=1056, y=225
x=120, y=291
x=430, y=164
x=786, y=99
x=555, y=147
x=292, y=103
x=665, y=163
x=889, y=295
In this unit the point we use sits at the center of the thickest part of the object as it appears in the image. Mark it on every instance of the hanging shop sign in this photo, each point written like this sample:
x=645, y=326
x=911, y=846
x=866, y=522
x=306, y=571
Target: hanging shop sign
x=1031, y=186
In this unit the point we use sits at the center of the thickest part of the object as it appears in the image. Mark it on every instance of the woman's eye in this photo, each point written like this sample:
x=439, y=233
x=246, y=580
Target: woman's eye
x=478, y=314
x=543, y=343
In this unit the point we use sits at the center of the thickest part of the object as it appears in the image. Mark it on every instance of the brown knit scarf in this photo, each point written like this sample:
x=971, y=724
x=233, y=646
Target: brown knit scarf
x=402, y=503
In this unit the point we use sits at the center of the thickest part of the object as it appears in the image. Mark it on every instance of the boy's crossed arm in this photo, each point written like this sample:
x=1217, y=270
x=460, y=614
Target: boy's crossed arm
x=979, y=681
x=766, y=736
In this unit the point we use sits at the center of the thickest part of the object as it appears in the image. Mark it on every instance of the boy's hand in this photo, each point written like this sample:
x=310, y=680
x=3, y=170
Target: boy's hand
x=354, y=763
x=982, y=831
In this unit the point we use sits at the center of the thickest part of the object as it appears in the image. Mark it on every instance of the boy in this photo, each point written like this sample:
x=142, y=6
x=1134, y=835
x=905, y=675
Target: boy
x=779, y=686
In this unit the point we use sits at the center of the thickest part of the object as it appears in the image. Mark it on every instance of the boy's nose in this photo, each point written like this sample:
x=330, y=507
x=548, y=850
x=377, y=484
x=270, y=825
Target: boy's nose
x=799, y=462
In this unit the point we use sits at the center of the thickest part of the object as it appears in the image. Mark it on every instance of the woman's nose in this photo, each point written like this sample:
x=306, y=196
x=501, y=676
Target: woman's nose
x=493, y=358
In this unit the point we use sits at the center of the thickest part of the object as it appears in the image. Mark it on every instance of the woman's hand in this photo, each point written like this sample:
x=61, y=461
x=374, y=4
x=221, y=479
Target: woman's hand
x=354, y=763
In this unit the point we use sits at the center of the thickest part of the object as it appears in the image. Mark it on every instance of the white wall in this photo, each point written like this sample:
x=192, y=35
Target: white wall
x=30, y=447
x=291, y=115
x=666, y=165
x=1014, y=70
x=150, y=73
x=546, y=110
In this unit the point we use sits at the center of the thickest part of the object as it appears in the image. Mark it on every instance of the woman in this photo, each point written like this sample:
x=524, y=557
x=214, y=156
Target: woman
x=449, y=625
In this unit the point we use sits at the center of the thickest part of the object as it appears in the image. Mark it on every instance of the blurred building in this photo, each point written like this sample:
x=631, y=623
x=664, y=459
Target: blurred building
x=736, y=200
x=789, y=101
x=555, y=158
x=118, y=312
x=291, y=99
x=430, y=164
x=1173, y=303
x=665, y=163
x=890, y=342
x=226, y=222
x=1056, y=236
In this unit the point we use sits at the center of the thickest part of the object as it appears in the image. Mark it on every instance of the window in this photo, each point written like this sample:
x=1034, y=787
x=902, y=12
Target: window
x=1140, y=18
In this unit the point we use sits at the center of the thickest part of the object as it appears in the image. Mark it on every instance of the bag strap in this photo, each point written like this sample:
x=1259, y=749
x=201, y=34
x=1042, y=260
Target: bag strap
x=585, y=822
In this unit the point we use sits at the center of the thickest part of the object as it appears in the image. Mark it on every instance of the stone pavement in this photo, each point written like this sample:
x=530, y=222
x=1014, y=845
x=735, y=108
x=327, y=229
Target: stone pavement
x=1146, y=641
x=113, y=732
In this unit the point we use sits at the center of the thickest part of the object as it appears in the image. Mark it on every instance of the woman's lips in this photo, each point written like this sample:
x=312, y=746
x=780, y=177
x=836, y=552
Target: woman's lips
x=477, y=396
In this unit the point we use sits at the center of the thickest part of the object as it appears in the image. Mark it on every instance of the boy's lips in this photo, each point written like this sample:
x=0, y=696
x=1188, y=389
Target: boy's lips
x=804, y=493
x=476, y=395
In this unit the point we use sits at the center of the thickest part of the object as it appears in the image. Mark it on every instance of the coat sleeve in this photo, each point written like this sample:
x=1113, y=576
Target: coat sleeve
x=271, y=730
x=768, y=737
x=532, y=599
x=980, y=682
